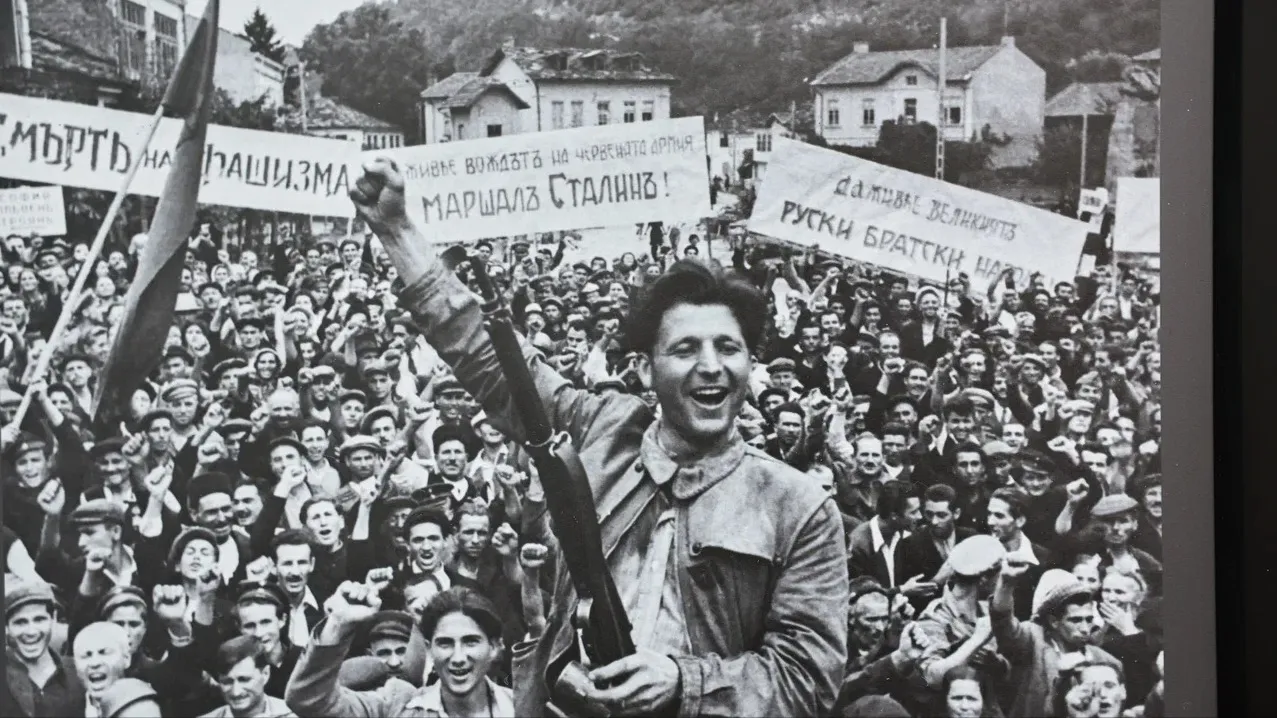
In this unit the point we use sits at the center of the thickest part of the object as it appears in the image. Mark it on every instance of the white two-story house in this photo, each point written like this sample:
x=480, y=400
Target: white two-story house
x=997, y=87
x=522, y=89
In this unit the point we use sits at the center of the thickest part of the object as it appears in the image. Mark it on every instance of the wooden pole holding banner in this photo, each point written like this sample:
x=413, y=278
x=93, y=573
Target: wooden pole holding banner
x=71, y=305
x=1081, y=182
x=941, y=82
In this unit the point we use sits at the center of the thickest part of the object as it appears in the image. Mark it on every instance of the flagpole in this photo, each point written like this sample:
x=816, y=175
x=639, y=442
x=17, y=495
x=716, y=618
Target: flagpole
x=71, y=304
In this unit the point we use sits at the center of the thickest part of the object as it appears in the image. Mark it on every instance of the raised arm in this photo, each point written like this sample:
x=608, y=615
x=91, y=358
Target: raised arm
x=451, y=320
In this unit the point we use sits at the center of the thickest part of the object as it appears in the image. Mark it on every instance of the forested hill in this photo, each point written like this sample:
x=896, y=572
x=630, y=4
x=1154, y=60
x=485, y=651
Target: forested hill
x=729, y=54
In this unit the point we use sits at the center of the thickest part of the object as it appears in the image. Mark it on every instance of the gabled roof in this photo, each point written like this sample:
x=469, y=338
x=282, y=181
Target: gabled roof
x=1085, y=98
x=445, y=88
x=872, y=68
x=477, y=87
x=538, y=64
x=751, y=119
x=1154, y=55
x=325, y=113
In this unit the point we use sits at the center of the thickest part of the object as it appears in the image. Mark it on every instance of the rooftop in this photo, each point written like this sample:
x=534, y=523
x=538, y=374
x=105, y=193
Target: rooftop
x=1085, y=98
x=1154, y=55
x=446, y=87
x=474, y=88
x=748, y=119
x=871, y=68
x=325, y=113
x=577, y=64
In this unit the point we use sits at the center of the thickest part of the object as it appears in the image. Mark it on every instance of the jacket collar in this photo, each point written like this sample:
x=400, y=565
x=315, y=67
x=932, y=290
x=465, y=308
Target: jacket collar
x=429, y=700
x=691, y=480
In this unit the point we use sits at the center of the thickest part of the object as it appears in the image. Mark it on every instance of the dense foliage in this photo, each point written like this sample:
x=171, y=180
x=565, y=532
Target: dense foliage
x=262, y=37
x=730, y=54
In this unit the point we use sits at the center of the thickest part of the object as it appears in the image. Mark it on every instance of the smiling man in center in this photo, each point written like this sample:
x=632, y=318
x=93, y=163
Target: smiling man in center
x=731, y=564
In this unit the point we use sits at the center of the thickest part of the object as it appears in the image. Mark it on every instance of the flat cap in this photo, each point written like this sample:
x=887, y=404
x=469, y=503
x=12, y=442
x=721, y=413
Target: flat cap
x=781, y=364
x=533, y=308
x=124, y=693
x=1054, y=589
x=997, y=448
x=1033, y=359
x=180, y=352
x=358, y=442
x=448, y=384
x=24, y=592
x=1113, y=505
x=376, y=367
x=436, y=495
x=194, y=533
x=26, y=443
x=1036, y=461
x=379, y=412
x=391, y=624
x=109, y=445
x=121, y=596
x=98, y=511
x=352, y=395
x=154, y=415
x=259, y=591
x=178, y=389
x=207, y=484
x=1078, y=406
x=980, y=397
x=976, y=555
x=235, y=426
x=288, y=441
x=226, y=365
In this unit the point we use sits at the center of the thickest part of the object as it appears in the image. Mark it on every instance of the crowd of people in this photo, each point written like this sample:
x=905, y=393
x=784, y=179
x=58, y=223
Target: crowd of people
x=825, y=489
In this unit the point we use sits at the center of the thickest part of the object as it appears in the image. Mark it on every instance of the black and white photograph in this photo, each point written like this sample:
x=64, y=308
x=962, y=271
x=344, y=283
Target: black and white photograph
x=583, y=359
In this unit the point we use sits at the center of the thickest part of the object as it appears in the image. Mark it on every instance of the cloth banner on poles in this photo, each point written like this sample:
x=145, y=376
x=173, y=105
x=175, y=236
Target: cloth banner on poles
x=1137, y=223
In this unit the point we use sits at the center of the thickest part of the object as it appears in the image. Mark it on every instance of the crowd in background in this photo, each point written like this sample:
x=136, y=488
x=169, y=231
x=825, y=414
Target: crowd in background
x=994, y=452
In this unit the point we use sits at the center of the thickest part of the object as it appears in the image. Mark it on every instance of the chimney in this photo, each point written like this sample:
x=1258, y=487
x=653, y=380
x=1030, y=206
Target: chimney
x=1008, y=41
x=860, y=48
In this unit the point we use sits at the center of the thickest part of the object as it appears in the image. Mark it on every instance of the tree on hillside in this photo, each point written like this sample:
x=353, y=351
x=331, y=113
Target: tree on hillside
x=912, y=147
x=372, y=62
x=262, y=36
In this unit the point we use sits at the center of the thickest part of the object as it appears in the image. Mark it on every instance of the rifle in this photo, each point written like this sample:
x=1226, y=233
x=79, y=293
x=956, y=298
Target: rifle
x=600, y=622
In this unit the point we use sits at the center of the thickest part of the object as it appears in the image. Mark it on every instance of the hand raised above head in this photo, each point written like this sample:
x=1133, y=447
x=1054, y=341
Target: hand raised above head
x=379, y=196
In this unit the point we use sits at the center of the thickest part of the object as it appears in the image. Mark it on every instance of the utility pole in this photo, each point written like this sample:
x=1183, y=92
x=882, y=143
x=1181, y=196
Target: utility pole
x=940, y=83
x=1081, y=183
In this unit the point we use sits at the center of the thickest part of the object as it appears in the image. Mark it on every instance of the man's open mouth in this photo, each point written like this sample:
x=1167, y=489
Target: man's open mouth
x=324, y=534
x=710, y=397
x=460, y=674
x=96, y=679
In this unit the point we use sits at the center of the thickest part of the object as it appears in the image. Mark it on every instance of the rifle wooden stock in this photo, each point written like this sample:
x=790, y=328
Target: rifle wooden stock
x=604, y=627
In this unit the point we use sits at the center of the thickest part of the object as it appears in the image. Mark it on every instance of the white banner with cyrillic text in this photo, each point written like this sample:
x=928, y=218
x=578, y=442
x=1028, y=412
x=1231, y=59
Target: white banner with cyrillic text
x=77, y=145
x=32, y=210
x=564, y=179
x=908, y=222
x=1137, y=221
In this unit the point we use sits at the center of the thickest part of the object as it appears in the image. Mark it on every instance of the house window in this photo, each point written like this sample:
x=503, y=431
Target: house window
x=166, y=45
x=133, y=39
x=763, y=141
x=955, y=115
x=461, y=130
x=578, y=113
x=605, y=112
x=630, y=113
x=724, y=140
x=911, y=109
x=832, y=113
x=868, y=117
x=911, y=80
x=494, y=130
x=649, y=110
x=556, y=114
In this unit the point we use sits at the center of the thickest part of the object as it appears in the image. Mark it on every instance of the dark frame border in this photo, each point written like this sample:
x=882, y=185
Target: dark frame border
x=1188, y=93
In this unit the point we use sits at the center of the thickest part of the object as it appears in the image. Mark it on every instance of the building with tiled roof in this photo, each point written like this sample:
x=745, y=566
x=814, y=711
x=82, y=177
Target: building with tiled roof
x=740, y=142
x=522, y=89
x=988, y=88
x=326, y=117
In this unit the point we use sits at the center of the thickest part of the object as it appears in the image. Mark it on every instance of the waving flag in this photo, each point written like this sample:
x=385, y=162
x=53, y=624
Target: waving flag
x=149, y=304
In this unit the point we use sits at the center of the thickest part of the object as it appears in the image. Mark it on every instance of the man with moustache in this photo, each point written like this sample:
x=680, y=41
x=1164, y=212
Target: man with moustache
x=452, y=454
x=687, y=472
x=39, y=683
x=211, y=506
x=292, y=563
